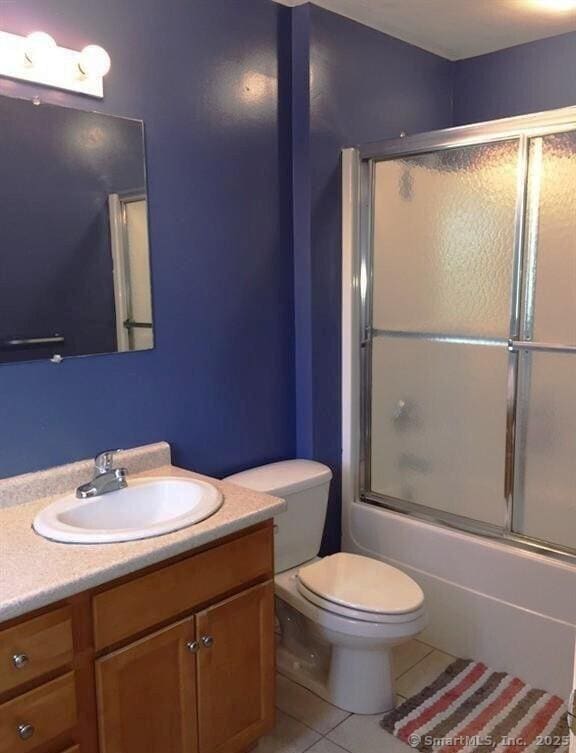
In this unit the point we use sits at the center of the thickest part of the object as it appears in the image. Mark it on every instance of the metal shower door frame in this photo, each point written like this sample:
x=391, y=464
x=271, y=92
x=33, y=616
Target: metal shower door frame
x=363, y=160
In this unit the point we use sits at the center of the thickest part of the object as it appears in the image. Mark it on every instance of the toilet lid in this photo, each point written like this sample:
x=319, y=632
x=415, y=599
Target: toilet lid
x=362, y=583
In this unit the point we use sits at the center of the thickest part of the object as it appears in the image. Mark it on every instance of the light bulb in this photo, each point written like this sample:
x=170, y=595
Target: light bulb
x=94, y=61
x=560, y=6
x=39, y=45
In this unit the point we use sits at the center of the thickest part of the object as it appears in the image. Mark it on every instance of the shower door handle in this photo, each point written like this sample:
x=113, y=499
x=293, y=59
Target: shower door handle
x=510, y=447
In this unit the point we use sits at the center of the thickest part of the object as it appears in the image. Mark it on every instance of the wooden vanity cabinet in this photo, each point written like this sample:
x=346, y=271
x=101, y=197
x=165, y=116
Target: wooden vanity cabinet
x=176, y=658
x=184, y=689
x=147, y=694
x=235, y=671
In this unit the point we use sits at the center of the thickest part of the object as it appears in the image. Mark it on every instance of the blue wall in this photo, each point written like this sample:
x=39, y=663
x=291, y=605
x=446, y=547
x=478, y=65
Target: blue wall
x=302, y=227
x=238, y=172
x=220, y=383
x=365, y=86
x=516, y=81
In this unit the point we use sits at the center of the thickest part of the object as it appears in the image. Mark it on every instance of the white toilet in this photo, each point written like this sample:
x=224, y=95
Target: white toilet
x=338, y=616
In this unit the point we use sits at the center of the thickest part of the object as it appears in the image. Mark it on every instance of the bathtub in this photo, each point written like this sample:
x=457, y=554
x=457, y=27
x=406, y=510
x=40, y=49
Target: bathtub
x=512, y=609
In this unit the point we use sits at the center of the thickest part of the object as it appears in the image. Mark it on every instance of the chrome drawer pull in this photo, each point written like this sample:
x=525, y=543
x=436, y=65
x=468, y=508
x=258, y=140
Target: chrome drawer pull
x=20, y=660
x=25, y=731
x=192, y=646
x=207, y=641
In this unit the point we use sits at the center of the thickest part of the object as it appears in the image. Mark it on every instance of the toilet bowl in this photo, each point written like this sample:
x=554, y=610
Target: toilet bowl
x=355, y=673
x=338, y=617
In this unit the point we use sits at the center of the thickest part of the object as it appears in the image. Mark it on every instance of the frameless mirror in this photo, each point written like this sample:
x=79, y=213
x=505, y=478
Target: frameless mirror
x=74, y=253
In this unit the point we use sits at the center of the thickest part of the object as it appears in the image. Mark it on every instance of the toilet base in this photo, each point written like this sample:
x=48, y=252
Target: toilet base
x=360, y=682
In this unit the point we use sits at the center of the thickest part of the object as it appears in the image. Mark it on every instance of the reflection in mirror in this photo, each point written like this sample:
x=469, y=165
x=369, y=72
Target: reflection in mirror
x=74, y=254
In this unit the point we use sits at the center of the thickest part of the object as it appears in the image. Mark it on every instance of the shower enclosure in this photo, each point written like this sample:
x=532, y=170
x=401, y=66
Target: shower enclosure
x=466, y=327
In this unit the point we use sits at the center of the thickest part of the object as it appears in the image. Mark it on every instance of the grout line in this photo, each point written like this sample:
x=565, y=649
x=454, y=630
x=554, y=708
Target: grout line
x=323, y=700
x=348, y=715
x=417, y=662
x=425, y=643
x=323, y=737
x=341, y=747
x=336, y=745
x=435, y=648
x=338, y=725
x=304, y=724
x=300, y=684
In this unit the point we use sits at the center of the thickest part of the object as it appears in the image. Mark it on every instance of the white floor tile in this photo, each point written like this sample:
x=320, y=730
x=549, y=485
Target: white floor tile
x=325, y=746
x=406, y=655
x=307, y=707
x=363, y=734
x=288, y=736
x=425, y=672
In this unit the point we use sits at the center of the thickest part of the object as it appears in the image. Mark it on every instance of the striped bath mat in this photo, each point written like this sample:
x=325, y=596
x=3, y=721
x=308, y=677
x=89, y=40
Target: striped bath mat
x=471, y=708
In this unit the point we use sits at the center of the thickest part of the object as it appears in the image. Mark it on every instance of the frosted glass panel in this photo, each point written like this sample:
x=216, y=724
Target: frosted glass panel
x=438, y=425
x=548, y=408
x=444, y=241
x=553, y=170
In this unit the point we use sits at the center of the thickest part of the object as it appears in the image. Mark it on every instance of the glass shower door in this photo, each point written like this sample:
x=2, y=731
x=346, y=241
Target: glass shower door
x=545, y=487
x=444, y=258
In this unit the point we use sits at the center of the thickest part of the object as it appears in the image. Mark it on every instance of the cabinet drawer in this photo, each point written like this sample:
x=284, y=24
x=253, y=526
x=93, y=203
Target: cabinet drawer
x=35, y=647
x=144, y=602
x=50, y=711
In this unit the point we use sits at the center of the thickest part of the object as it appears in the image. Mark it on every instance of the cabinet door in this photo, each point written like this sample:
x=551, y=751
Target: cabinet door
x=147, y=694
x=236, y=671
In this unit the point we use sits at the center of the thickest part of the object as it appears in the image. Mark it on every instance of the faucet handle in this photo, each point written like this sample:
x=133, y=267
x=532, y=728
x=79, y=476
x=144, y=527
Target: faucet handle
x=104, y=461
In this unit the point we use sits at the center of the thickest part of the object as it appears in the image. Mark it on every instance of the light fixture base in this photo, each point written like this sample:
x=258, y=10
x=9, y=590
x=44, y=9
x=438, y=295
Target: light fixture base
x=60, y=71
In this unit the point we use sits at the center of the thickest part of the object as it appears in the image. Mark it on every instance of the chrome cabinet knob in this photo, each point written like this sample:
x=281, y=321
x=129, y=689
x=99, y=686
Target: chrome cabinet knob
x=207, y=641
x=25, y=731
x=20, y=660
x=193, y=646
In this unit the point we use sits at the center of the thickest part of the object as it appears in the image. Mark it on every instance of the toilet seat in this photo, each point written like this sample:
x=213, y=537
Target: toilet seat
x=356, y=614
x=287, y=589
x=361, y=588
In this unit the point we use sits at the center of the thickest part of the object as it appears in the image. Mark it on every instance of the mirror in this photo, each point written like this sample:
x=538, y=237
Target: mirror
x=74, y=250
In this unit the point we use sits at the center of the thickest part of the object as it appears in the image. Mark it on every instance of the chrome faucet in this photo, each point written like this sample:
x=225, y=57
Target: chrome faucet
x=106, y=479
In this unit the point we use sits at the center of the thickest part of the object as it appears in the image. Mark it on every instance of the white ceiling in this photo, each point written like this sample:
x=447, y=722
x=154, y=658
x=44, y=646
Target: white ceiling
x=459, y=29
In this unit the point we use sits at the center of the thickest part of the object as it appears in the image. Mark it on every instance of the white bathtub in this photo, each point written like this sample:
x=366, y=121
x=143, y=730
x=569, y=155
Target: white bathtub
x=513, y=610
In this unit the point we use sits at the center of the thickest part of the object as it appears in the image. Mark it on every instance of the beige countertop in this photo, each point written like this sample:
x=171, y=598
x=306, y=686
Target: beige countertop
x=35, y=572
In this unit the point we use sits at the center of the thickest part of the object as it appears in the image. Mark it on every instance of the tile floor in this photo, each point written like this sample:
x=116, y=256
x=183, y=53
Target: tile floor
x=307, y=723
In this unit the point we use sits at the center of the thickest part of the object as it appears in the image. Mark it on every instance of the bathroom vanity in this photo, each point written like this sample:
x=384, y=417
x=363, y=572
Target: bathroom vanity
x=172, y=657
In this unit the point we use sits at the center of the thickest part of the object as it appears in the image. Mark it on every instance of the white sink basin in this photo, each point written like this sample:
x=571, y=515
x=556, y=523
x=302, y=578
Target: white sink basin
x=146, y=507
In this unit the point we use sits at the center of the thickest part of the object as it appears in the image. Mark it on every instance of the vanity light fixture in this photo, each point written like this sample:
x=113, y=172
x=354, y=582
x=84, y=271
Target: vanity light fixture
x=555, y=6
x=38, y=59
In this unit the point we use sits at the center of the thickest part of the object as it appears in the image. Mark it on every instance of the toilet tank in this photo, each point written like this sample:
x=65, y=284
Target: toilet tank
x=304, y=484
